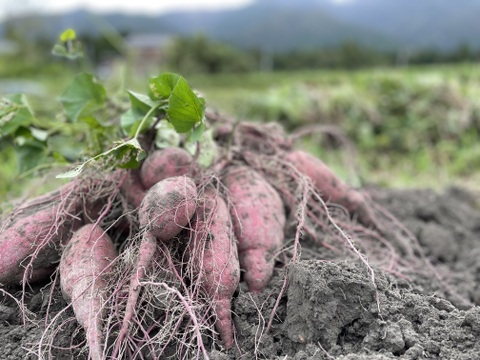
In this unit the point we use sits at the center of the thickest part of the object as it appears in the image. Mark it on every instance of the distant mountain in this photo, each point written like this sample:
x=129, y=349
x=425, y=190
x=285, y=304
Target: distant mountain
x=275, y=28
x=85, y=22
x=280, y=25
x=443, y=24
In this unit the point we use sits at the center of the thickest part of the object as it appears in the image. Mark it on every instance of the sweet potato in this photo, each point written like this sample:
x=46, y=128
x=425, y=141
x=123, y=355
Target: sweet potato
x=166, y=209
x=30, y=239
x=84, y=268
x=331, y=188
x=133, y=189
x=213, y=255
x=258, y=220
x=165, y=163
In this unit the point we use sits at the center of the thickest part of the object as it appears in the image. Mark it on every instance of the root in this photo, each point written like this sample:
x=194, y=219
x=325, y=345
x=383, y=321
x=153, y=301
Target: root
x=300, y=216
x=172, y=315
x=350, y=158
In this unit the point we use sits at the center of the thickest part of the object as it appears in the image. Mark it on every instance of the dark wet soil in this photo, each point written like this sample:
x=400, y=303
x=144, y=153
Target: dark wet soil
x=331, y=309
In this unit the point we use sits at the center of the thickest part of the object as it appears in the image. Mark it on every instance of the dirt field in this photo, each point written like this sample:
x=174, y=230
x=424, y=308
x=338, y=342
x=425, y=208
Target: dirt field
x=331, y=308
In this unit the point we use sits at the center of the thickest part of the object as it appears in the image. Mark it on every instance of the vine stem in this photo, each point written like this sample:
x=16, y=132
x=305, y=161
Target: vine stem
x=145, y=118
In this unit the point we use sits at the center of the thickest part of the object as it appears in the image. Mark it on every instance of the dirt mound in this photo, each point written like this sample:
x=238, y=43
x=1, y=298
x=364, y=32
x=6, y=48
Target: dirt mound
x=331, y=309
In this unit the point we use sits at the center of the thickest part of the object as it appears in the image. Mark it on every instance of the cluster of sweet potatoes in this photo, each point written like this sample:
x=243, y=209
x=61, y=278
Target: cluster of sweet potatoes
x=219, y=226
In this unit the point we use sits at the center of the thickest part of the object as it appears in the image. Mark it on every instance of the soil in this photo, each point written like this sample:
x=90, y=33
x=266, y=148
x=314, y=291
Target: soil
x=331, y=308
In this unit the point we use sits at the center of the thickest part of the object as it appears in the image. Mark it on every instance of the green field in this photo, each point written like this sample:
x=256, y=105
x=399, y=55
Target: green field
x=408, y=127
x=411, y=127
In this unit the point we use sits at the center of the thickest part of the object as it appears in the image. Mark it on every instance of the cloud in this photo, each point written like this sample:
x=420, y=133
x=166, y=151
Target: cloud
x=137, y=6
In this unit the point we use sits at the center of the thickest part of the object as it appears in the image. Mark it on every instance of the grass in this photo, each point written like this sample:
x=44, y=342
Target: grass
x=449, y=159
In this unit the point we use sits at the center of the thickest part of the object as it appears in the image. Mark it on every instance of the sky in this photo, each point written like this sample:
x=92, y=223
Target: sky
x=8, y=7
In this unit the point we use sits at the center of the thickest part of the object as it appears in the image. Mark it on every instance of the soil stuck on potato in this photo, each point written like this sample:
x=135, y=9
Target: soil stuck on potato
x=331, y=310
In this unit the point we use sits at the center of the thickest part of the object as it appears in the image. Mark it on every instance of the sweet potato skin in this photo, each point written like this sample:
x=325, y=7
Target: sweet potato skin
x=213, y=254
x=84, y=268
x=331, y=188
x=329, y=185
x=132, y=189
x=258, y=218
x=165, y=163
x=36, y=231
x=168, y=207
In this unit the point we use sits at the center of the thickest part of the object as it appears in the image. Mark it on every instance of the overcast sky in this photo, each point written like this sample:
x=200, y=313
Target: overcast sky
x=134, y=6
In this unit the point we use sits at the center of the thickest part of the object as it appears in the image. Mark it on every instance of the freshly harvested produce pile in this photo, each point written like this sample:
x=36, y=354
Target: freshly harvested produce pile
x=264, y=253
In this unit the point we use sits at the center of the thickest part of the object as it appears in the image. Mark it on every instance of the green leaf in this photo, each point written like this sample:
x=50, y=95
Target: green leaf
x=83, y=96
x=30, y=155
x=69, y=47
x=72, y=173
x=140, y=105
x=127, y=155
x=208, y=149
x=185, y=109
x=19, y=99
x=72, y=52
x=140, y=102
x=127, y=122
x=197, y=133
x=161, y=87
x=166, y=136
x=68, y=35
x=14, y=113
x=63, y=145
x=60, y=50
x=39, y=134
x=92, y=122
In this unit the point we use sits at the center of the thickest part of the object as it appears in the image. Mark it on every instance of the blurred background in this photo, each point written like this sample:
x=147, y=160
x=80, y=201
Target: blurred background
x=394, y=84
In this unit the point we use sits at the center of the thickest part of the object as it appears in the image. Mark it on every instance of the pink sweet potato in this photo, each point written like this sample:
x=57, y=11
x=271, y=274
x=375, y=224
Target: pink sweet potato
x=84, y=269
x=258, y=220
x=30, y=239
x=165, y=163
x=213, y=255
x=331, y=188
x=133, y=189
x=166, y=209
